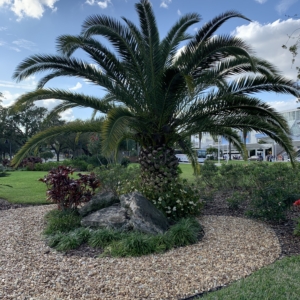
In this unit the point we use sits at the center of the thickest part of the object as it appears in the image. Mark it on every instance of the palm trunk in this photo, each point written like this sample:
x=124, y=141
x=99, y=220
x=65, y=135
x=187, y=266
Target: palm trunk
x=158, y=167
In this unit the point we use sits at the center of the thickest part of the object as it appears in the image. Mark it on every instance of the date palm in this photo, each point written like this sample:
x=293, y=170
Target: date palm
x=157, y=95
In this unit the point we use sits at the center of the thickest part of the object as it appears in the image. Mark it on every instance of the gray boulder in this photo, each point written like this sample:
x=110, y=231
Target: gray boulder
x=110, y=217
x=143, y=215
x=98, y=201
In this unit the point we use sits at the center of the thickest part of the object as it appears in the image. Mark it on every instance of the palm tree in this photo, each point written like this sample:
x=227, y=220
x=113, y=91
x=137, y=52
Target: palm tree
x=157, y=95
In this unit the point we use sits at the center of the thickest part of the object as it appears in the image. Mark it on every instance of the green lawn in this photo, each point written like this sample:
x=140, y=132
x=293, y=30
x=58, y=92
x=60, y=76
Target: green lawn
x=26, y=188
x=279, y=281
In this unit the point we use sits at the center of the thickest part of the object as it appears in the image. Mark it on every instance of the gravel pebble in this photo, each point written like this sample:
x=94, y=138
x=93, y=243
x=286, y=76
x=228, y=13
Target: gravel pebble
x=232, y=248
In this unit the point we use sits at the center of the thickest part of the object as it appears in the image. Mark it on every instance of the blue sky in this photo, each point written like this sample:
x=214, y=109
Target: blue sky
x=30, y=27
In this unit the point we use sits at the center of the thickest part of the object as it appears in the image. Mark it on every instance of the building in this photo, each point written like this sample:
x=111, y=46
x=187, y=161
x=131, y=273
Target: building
x=256, y=143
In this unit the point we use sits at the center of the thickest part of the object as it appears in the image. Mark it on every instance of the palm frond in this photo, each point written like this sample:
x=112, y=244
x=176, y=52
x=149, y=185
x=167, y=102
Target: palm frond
x=80, y=100
x=209, y=29
x=116, y=124
x=41, y=137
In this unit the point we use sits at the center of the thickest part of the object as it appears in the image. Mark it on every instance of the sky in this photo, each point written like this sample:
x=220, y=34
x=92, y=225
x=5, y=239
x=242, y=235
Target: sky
x=29, y=27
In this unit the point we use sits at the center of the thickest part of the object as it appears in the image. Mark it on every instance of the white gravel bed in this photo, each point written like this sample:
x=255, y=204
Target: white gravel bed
x=231, y=249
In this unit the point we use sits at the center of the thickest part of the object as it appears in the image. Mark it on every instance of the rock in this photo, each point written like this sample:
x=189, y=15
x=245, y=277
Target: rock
x=98, y=201
x=143, y=215
x=109, y=217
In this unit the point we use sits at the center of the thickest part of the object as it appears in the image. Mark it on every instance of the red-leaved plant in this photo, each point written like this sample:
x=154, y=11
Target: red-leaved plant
x=297, y=203
x=67, y=192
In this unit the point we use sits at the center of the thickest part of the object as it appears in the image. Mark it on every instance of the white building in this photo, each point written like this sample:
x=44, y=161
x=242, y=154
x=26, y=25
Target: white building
x=257, y=143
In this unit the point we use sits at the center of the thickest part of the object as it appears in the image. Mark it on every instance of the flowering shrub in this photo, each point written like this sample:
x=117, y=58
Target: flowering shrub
x=180, y=200
x=67, y=192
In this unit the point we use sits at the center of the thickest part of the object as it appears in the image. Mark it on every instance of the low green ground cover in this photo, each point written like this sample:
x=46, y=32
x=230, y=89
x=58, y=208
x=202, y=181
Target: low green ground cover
x=63, y=232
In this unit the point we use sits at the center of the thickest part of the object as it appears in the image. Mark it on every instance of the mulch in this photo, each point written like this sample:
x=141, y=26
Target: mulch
x=290, y=244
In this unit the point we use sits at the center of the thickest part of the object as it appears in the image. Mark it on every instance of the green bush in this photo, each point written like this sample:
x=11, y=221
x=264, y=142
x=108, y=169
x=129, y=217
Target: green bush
x=235, y=200
x=114, y=177
x=275, y=187
x=58, y=221
x=182, y=198
x=209, y=173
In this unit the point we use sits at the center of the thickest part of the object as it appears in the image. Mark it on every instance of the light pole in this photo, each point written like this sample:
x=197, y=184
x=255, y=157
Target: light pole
x=8, y=142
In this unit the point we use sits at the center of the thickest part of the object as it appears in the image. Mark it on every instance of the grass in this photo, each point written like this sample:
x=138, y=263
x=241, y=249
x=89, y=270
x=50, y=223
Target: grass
x=278, y=281
x=26, y=189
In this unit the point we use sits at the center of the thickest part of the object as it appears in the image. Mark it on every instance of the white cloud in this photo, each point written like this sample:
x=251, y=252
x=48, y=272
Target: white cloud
x=28, y=84
x=5, y=2
x=284, y=5
x=179, y=12
x=76, y=87
x=284, y=105
x=165, y=3
x=2, y=28
x=15, y=49
x=261, y=1
x=29, y=8
x=9, y=98
x=267, y=40
x=28, y=45
x=68, y=115
x=103, y=4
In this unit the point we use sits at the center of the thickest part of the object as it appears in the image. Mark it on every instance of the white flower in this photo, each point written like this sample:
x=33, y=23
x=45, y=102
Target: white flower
x=174, y=208
x=159, y=199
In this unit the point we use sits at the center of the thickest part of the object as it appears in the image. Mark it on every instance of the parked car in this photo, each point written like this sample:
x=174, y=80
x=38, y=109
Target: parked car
x=254, y=158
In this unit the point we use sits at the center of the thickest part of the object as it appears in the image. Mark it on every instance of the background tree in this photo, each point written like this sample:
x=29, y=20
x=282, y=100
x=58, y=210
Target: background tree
x=158, y=96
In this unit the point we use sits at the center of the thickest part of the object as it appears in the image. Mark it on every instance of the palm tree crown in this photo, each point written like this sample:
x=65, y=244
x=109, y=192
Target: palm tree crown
x=158, y=95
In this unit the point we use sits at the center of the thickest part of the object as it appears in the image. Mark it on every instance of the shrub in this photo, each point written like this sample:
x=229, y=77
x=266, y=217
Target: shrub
x=209, y=172
x=275, y=188
x=67, y=192
x=182, y=198
x=125, y=162
x=236, y=199
x=58, y=221
x=46, y=155
x=90, y=167
x=29, y=162
x=113, y=177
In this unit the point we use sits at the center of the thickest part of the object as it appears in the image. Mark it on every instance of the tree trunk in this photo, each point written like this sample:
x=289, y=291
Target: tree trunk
x=158, y=167
x=200, y=138
x=229, y=149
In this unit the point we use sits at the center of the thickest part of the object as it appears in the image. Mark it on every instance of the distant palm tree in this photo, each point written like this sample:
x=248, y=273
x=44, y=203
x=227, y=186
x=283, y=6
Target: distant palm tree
x=157, y=95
